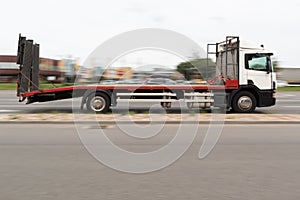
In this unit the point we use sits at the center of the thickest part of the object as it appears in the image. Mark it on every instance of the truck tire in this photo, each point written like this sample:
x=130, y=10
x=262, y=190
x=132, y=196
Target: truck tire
x=244, y=102
x=98, y=102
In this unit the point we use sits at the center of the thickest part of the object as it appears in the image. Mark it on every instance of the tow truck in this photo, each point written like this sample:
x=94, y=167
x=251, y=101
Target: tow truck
x=244, y=80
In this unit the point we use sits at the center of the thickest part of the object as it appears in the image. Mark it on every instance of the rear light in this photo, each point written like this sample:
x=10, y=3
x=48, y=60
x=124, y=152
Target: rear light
x=274, y=95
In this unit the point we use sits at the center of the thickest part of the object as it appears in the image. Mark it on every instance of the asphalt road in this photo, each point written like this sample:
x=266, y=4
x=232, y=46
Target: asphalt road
x=49, y=162
x=287, y=103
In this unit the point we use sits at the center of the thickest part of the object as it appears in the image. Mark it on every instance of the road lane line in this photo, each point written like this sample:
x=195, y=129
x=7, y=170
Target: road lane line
x=9, y=111
x=285, y=95
x=288, y=100
x=291, y=106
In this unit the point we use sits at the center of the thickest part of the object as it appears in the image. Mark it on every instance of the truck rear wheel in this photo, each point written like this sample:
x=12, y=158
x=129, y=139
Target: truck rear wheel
x=98, y=102
x=165, y=104
x=244, y=102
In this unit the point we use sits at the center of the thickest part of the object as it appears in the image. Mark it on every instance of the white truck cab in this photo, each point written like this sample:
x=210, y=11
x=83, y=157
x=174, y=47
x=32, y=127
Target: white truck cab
x=252, y=70
x=256, y=67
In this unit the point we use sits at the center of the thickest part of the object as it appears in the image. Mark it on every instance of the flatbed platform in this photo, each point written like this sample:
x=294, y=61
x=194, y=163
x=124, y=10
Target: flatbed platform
x=130, y=88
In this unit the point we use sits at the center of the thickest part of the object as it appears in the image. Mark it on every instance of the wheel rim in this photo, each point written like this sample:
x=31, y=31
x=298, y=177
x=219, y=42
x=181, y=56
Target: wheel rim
x=245, y=103
x=97, y=103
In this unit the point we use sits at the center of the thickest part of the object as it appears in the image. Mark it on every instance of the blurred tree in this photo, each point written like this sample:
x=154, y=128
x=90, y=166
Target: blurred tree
x=199, y=67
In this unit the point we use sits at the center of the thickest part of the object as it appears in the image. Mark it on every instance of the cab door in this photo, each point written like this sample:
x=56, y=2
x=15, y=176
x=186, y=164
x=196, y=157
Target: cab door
x=259, y=70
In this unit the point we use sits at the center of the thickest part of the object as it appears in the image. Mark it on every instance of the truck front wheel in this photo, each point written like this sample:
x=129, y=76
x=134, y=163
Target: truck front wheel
x=98, y=102
x=244, y=102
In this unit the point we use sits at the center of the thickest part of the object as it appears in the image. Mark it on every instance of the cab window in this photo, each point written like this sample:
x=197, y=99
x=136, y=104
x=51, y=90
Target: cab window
x=256, y=62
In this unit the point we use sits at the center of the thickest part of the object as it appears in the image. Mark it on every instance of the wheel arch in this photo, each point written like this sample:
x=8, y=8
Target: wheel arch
x=248, y=88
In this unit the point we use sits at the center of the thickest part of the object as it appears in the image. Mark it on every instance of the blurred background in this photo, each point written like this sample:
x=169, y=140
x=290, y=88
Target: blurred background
x=66, y=70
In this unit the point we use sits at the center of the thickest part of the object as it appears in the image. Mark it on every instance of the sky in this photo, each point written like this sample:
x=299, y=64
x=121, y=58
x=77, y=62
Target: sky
x=75, y=28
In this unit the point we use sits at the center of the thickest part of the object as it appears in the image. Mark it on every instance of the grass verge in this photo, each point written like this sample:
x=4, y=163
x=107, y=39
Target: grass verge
x=288, y=89
x=13, y=86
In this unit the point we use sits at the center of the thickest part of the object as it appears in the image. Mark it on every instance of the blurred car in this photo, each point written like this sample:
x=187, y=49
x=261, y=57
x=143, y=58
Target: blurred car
x=107, y=82
x=180, y=82
x=130, y=82
x=159, y=81
x=281, y=83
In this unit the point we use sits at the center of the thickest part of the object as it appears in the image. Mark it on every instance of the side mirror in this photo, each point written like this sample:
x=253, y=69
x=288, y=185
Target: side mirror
x=268, y=65
x=268, y=70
